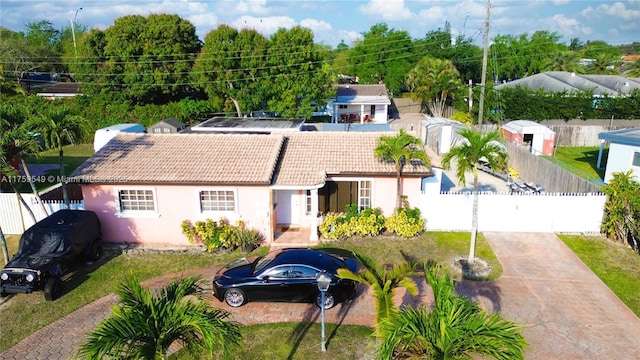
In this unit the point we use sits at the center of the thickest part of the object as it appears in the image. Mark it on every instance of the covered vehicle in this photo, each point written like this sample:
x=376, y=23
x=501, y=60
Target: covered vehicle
x=288, y=275
x=48, y=250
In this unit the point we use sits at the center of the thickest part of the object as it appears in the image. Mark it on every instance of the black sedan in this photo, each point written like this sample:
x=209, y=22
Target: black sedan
x=287, y=275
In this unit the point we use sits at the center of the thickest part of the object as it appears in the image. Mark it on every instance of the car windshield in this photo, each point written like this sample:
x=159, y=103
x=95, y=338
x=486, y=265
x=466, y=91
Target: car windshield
x=261, y=262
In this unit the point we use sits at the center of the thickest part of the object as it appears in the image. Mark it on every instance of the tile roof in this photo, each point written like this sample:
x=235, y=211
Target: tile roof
x=291, y=160
x=310, y=157
x=184, y=159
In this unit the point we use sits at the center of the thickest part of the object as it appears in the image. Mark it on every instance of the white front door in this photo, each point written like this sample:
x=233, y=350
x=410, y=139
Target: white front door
x=288, y=209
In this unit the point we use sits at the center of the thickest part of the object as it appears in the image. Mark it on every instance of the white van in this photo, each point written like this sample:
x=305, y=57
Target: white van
x=103, y=135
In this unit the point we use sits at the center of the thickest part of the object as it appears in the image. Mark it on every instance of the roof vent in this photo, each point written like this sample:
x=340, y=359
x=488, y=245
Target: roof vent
x=573, y=74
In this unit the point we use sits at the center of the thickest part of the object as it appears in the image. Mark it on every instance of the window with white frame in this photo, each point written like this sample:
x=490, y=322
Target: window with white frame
x=136, y=200
x=217, y=200
x=364, y=195
x=308, y=201
x=636, y=159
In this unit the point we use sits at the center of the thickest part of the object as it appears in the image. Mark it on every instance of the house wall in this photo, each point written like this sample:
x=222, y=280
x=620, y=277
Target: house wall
x=620, y=159
x=174, y=204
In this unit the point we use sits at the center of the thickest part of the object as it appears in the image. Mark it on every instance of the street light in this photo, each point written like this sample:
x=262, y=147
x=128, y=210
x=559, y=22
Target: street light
x=323, y=285
x=73, y=30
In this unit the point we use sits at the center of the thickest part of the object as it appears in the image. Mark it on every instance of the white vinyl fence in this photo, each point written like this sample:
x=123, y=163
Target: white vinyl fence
x=14, y=217
x=550, y=213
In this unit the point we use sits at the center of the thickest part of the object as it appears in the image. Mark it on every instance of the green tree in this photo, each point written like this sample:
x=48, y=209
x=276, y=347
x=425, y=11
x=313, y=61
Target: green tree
x=400, y=149
x=603, y=64
x=455, y=328
x=138, y=59
x=521, y=56
x=58, y=127
x=146, y=323
x=562, y=61
x=231, y=67
x=434, y=82
x=475, y=147
x=384, y=282
x=383, y=56
x=17, y=141
x=632, y=69
x=297, y=79
x=621, y=221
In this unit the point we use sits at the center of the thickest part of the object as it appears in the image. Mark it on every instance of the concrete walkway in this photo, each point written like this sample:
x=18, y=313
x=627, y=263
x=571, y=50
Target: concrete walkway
x=566, y=311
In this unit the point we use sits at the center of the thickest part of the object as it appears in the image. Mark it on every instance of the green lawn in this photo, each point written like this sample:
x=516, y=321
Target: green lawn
x=27, y=313
x=74, y=155
x=616, y=265
x=581, y=161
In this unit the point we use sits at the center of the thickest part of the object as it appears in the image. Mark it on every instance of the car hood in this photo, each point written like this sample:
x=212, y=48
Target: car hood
x=31, y=262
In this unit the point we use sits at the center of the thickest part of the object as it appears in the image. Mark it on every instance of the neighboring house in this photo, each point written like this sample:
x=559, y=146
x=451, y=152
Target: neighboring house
x=143, y=186
x=61, y=90
x=361, y=104
x=166, y=126
x=558, y=81
x=539, y=139
x=624, y=152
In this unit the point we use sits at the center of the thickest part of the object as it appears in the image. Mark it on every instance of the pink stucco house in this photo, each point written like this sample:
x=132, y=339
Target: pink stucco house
x=142, y=186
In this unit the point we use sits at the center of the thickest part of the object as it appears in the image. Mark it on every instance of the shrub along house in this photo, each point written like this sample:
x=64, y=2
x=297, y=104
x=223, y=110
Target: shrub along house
x=143, y=186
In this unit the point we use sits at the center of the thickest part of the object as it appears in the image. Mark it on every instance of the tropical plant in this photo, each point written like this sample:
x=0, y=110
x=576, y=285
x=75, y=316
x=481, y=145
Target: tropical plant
x=434, y=82
x=400, y=150
x=632, y=69
x=476, y=147
x=384, y=282
x=622, y=210
x=58, y=126
x=455, y=328
x=146, y=323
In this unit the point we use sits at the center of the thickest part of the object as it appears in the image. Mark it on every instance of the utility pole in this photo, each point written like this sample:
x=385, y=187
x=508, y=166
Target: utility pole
x=73, y=31
x=483, y=81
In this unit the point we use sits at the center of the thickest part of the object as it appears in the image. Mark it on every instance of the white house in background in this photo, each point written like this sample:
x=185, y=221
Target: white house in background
x=624, y=152
x=361, y=104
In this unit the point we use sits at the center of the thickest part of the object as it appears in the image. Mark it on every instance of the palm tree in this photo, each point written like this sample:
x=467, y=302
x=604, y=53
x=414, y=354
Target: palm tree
x=562, y=61
x=475, y=147
x=58, y=127
x=400, y=150
x=455, y=328
x=15, y=142
x=147, y=322
x=603, y=64
x=383, y=281
x=434, y=81
x=632, y=69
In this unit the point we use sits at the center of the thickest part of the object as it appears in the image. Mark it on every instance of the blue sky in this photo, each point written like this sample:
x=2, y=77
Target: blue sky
x=616, y=22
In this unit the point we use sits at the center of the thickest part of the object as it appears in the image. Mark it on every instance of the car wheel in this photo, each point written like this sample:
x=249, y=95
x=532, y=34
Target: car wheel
x=329, y=300
x=234, y=297
x=96, y=251
x=52, y=289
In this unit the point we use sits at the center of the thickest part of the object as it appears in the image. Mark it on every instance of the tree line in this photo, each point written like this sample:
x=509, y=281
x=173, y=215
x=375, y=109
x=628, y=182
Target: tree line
x=158, y=60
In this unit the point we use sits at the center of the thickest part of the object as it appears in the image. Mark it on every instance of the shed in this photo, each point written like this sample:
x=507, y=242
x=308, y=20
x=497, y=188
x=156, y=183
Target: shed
x=441, y=134
x=539, y=139
x=166, y=126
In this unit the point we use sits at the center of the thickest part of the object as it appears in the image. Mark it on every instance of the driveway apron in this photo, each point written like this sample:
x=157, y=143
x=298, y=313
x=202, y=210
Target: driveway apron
x=566, y=310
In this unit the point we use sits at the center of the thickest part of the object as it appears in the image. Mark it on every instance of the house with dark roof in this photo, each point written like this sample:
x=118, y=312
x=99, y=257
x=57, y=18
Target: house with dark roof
x=61, y=90
x=143, y=186
x=558, y=81
x=361, y=104
x=166, y=126
x=624, y=152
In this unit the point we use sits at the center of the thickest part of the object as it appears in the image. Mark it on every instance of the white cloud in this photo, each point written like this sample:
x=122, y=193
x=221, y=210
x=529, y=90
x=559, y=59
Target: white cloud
x=315, y=25
x=619, y=10
x=266, y=25
x=387, y=10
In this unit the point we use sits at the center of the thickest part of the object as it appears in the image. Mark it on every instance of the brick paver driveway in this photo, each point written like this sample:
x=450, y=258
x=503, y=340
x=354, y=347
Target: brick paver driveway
x=567, y=312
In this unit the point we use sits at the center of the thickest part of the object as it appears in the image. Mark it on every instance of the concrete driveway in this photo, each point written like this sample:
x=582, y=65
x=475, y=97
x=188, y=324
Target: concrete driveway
x=566, y=311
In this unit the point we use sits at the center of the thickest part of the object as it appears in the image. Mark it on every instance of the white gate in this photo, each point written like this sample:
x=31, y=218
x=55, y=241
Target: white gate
x=15, y=218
